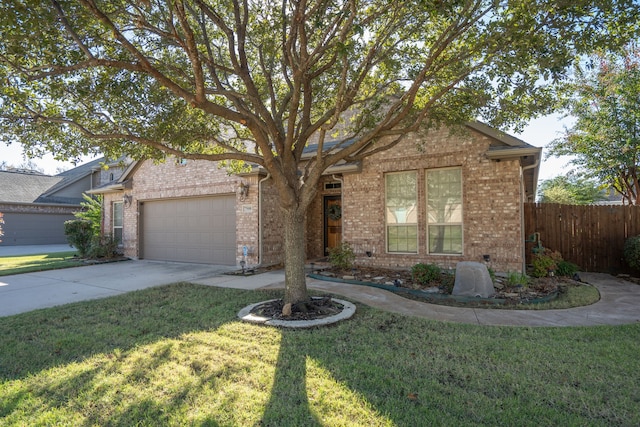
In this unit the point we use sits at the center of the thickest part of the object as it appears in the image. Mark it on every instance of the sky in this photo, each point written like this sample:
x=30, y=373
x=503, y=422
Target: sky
x=539, y=133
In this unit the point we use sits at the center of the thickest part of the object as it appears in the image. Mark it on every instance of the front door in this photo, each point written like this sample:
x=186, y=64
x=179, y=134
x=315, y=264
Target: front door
x=332, y=222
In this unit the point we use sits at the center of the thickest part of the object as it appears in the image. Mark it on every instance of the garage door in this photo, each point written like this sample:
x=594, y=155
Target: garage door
x=34, y=229
x=201, y=230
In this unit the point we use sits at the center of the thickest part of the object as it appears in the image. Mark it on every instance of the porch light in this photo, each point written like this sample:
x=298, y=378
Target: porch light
x=243, y=190
x=126, y=199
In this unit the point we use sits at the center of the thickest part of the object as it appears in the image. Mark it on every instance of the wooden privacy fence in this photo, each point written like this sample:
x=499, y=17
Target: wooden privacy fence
x=590, y=236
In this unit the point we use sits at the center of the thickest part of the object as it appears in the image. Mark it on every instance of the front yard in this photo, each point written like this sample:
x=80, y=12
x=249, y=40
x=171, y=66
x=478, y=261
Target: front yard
x=177, y=355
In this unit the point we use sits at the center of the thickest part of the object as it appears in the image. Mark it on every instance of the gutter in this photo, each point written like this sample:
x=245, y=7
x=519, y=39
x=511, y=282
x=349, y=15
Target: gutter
x=260, y=225
x=522, y=191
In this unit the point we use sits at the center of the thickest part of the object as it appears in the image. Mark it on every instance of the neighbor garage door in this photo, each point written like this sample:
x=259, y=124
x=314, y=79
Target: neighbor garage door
x=34, y=229
x=201, y=229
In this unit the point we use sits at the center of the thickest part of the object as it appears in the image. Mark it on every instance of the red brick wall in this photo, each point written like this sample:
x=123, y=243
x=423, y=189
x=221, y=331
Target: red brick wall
x=491, y=203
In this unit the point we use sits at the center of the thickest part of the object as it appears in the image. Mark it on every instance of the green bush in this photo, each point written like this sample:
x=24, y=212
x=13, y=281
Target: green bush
x=342, y=256
x=566, y=269
x=103, y=247
x=632, y=252
x=79, y=234
x=425, y=273
x=515, y=278
x=545, y=262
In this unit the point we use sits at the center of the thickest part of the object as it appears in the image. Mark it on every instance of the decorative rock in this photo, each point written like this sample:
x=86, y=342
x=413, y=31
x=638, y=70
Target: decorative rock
x=379, y=278
x=349, y=277
x=472, y=280
x=286, y=310
x=432, y=290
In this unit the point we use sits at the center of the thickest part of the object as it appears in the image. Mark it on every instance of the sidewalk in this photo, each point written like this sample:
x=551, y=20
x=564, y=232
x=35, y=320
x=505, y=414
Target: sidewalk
x=619, y=303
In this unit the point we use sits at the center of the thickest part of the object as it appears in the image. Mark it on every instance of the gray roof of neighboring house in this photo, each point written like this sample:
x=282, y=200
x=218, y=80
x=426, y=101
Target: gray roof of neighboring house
x=20, y=186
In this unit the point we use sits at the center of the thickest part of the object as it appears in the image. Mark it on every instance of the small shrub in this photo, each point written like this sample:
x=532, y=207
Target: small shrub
x=545, y=262
x=79, y=235
x=103, y=247
x=342, y=256
x=566, y=269
x=448, y=282
x=515, y=278
x=425, y=273
x=632, y=252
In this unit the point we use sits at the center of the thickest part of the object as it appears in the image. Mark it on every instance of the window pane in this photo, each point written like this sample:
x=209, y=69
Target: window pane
x=444, y=196
x=445, y=239
x=117, y=214
x=401, y=194
x=402, y=238
x=117, y=235
x=401, y=211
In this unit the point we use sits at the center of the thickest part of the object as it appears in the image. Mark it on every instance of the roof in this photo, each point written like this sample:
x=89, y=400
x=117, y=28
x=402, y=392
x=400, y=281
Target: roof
x=19, y=186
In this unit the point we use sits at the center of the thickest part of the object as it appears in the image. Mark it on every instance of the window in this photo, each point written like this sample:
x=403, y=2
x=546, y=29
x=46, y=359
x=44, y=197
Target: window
x=117, y=222
x=444, y=211
x=401, y=213
x=332, y=185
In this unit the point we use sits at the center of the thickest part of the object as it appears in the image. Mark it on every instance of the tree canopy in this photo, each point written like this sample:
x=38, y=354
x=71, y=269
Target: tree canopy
x=256, y=82
x=605, y=140
x=570, y=189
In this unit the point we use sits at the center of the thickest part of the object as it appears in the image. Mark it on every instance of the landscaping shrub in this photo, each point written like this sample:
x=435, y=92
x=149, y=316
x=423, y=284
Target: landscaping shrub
x=79, y=234
x=566, y=268
x=632, y=252
x=425, y=273
x=342, y=256
x=545, y=262
x=515, y=278
x=92, y=212
x=103, y=247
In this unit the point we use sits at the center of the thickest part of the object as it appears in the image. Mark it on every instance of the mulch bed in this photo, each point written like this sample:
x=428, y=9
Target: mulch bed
x=402, y=279
x=317, y=308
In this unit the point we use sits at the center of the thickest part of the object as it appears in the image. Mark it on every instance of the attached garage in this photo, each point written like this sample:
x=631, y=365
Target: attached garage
x=197, y=229
x=34, y=228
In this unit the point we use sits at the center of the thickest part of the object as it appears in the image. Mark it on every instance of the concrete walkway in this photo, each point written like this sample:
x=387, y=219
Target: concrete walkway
x=619, y=304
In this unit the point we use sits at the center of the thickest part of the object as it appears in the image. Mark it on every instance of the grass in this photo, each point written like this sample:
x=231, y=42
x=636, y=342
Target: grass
x=40, y=262
x=177, y=355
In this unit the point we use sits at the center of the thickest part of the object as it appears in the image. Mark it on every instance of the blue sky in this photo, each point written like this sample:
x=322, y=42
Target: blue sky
x=539, y=133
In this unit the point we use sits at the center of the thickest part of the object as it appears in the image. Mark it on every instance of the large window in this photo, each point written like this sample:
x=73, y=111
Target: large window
x=117, y=222
x=444, y=211
x=401, y=213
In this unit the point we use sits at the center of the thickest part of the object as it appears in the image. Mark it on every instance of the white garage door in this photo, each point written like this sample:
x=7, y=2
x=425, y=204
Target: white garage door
x=201, y=230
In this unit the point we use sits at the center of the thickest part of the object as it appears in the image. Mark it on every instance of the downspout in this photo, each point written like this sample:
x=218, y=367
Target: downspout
x=522, y=234
x=341, y=200
x=260, y=218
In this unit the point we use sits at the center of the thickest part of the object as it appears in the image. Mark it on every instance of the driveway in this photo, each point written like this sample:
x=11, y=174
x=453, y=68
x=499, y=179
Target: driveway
x=31, y=291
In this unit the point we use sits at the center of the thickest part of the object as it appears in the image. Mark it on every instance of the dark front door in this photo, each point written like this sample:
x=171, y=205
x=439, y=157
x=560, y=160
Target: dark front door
x=332, y=222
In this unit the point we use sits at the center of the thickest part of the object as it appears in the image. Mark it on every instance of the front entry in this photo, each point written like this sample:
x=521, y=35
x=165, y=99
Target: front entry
x=332, y=222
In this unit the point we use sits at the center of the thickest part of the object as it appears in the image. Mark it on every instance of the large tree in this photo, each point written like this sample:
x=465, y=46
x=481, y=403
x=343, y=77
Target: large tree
x=570, y=189
x=605, y=140
x=256, y=81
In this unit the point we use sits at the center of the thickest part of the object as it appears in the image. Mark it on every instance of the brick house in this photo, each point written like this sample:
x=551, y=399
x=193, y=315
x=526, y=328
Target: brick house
x=457, y=197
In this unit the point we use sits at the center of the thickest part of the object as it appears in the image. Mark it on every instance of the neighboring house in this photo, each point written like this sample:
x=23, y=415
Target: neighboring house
x=459, y=197
x=35, y=206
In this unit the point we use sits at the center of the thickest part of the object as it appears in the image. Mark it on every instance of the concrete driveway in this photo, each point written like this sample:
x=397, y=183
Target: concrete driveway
x=31, y=291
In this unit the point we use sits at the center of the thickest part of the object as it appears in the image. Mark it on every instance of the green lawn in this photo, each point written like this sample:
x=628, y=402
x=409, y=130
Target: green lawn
x=40, y=262
x=177, y=355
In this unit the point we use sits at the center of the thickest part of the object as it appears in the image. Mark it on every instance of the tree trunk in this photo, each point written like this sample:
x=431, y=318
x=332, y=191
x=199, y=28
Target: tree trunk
x=294, y=256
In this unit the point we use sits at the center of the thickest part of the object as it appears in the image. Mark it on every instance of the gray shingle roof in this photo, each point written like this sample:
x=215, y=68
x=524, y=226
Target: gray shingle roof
x=19, y=187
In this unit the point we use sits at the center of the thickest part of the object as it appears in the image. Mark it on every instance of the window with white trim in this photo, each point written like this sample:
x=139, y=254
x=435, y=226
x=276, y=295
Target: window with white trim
x=117, y=220
x=401, y=195
x=444, y=211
